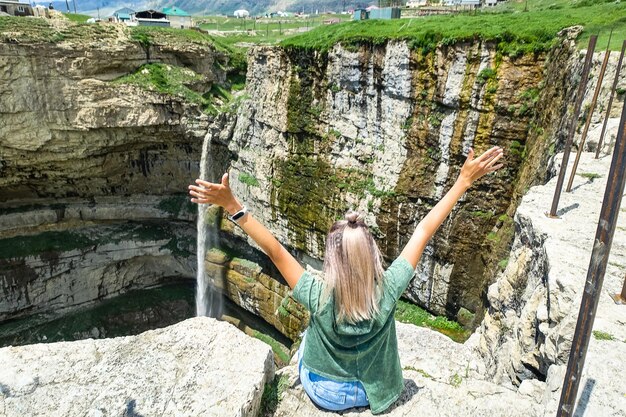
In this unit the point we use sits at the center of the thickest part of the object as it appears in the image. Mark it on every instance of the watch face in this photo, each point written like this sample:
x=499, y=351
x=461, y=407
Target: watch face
x=238, y=215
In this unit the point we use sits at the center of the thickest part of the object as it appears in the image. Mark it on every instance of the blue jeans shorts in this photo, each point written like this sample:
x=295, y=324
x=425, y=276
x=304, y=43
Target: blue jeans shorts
x=327, y=393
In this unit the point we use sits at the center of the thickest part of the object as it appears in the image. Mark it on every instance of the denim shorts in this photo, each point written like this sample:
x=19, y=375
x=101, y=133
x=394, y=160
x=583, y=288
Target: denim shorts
x=327, y=393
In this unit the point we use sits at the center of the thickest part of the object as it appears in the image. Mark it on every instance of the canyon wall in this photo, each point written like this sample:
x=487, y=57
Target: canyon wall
x=384, y=129
x=93, y=171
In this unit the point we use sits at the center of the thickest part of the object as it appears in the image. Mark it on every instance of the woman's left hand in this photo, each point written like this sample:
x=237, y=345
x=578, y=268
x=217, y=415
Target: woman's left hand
x=211, y=193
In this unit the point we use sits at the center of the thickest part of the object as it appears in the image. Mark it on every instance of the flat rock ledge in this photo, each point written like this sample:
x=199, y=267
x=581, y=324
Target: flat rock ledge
x=441, y=378
x=199, y=367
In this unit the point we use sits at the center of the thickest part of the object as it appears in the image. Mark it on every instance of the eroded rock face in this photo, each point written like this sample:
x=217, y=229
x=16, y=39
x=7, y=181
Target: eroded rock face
x=68, y=132
x=197, y=367
x=248, y=286
x=533, y=305
x=384, y=130
x=93, y=173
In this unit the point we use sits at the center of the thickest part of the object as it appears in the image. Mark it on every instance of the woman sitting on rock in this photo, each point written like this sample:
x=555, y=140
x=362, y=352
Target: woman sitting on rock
x=349, y=354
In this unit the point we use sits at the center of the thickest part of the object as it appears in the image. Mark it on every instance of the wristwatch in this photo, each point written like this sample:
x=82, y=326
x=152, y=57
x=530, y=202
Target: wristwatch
x=238, y=215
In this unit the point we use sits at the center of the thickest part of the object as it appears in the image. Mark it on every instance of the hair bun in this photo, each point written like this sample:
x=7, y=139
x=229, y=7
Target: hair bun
x=352, y=217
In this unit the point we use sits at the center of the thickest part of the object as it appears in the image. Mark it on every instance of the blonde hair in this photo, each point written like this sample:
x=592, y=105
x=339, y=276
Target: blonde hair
x=353, y=269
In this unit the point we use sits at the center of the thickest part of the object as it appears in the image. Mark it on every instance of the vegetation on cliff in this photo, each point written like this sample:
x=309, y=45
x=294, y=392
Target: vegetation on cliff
x=515, y=32
x=178, y=82
x=410, y=313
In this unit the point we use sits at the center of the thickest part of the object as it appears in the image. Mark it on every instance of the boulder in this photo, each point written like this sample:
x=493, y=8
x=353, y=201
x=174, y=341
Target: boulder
x=199, y=367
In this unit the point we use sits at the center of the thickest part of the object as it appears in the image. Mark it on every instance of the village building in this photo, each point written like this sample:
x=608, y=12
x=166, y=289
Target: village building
x=123, y=15
x=374, y=12
x=151, y=18
x=15, y=8
x=178, y=17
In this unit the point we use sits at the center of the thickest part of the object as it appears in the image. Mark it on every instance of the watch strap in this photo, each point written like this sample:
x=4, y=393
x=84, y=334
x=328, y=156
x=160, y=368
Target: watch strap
x=238, y=215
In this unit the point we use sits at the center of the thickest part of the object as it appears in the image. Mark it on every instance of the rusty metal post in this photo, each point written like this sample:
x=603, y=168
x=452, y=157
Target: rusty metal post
x=594, y=100
x=570, y=136
x=595, y=275
x=608, y=109
x=620, y=298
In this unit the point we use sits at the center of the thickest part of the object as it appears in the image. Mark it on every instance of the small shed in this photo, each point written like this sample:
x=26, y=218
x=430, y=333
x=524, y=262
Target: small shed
x=360, y=14
x=385, y=13
x=178, y=17
x=123, y=15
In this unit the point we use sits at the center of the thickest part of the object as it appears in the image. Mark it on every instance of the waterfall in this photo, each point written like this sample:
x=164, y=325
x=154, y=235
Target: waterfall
x=208, y=299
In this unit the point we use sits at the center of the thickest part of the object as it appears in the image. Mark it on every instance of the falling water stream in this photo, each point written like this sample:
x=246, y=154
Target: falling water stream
x=208, y=300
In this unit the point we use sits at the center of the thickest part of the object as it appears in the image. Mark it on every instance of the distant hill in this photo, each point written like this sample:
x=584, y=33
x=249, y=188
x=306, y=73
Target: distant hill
x=208, y=7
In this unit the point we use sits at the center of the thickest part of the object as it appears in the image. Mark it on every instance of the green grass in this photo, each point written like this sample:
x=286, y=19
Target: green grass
x=248, y=179
x=176, y=81
x=597, y=16
x=516, y=32
x=589, y=175
x=420, y=371
x=487, y=215
x=272, y=395
x=277, y=348
x=600, y=335
x=503, y=264
x=456, y=380
x=230, y=24
x=76, y=17
x=239, y=34
x=410, y=313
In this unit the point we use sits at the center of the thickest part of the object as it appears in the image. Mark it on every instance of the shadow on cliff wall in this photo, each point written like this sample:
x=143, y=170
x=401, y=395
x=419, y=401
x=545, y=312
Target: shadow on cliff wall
x=130, y=410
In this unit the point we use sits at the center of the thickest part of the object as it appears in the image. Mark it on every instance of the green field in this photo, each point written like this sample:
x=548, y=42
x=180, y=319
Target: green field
x=515, y=30
x=76, y=17
x=580, y=11
x=243, y=32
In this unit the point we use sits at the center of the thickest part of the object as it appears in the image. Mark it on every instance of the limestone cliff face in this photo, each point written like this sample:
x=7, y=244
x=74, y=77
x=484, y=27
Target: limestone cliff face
x=93, y=173
x=385, y=129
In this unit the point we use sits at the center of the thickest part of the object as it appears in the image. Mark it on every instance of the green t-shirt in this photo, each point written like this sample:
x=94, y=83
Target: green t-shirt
x=366, y=351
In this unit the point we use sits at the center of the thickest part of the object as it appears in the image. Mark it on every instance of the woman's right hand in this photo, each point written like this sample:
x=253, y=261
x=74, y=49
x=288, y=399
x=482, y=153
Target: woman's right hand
x=211, y=193
x=474, y=168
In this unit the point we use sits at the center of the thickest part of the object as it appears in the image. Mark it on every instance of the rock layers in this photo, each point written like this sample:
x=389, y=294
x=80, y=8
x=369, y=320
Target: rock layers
x=93, y=171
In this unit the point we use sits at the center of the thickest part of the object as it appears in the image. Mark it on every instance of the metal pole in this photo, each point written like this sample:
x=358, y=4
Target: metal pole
x=594, y=100
x=608, y=109
x=595, y=274
x=570, y=136
x=620, y=298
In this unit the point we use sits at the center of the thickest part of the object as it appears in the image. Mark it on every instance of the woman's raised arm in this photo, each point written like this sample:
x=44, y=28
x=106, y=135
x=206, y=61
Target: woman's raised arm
x=472, y=170
x=211, y=193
